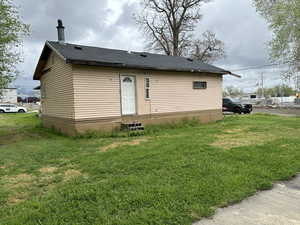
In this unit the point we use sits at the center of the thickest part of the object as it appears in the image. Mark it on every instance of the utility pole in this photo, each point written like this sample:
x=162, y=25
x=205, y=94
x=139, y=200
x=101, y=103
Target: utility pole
x=298, y=82
x=262, y=85
x=298, y=78
x=281, y=90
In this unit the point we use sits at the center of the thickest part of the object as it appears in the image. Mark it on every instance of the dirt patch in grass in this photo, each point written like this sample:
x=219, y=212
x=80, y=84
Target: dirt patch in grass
x=240, y=137
x=135, y=142
x=174, y=136
x=48, y=169
x=20, y=179
x=71, y=173
x=17, y=187
x=20, y=187
x=111, y=146
x=118, y=144
x=10, y=138
x=16, y=199
x=236, y=130
x=195, y=216
x=47, y=179
x=7, y=166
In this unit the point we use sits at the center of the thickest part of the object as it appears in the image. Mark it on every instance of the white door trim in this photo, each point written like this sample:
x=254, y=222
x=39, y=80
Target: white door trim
x=128, y=97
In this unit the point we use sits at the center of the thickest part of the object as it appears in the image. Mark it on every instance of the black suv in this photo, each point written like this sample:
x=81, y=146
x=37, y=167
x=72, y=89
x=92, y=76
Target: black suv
x=230, y=106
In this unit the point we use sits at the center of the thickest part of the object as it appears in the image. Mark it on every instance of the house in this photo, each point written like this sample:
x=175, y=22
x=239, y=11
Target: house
x=9, y=95
x=86, y=88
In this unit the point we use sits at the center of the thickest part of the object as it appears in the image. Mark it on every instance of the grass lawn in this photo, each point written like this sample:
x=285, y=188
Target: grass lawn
x=171, y=175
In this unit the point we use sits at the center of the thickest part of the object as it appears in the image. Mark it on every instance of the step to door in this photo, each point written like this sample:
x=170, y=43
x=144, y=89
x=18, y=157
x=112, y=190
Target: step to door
x=134, y=126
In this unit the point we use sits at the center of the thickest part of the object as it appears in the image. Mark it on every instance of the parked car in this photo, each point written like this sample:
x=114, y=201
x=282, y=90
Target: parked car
x=230, y=106
x=11, y=108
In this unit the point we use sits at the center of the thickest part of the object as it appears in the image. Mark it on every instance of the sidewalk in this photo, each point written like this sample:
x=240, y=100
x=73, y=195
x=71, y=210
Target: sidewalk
x=278, y=206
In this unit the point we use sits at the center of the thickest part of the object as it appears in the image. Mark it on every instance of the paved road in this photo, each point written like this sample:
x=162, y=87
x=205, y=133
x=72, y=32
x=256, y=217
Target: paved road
x=279, y=111
x=279, y=206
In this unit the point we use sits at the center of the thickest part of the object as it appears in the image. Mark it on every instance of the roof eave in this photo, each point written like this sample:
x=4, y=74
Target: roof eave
x=234, y=75
x=122, y=65
x=41, y=63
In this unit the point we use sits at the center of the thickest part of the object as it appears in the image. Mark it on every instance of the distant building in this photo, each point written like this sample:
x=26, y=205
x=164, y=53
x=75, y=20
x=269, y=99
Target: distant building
x=9, y=95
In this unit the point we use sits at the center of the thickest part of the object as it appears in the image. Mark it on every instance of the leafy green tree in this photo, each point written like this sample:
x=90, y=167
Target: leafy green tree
x=12, y=30
x=283, y=17
x=277, y=91
x=233, y=92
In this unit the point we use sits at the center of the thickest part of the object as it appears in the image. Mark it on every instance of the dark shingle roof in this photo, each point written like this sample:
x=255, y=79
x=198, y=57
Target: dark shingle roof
x=78, y=54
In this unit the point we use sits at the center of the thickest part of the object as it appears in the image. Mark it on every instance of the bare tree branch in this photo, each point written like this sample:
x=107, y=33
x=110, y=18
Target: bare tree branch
x=175, y=18
x=208, y=49
x=169, y=26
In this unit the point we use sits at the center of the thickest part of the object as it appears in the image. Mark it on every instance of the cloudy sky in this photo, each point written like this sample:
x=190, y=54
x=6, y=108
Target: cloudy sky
x=110, y=23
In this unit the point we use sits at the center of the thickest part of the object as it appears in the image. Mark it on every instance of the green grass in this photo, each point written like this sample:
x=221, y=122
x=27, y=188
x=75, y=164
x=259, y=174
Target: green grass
x=175, y=174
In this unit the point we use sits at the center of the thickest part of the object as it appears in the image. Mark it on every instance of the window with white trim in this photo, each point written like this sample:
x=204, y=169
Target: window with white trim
x=147, y=88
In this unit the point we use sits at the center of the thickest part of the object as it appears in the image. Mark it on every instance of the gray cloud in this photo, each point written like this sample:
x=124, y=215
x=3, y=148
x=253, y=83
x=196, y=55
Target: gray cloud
x=110, y=23
x=80, y=16
x=244, y=32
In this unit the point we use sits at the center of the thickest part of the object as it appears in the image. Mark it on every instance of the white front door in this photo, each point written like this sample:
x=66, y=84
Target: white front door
x=128, y=95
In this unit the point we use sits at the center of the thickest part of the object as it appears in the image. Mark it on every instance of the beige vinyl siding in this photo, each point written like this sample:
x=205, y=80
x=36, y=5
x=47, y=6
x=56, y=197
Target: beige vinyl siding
x=57, y=85
x=96, y=92
x=175, y=93
x=144, y=106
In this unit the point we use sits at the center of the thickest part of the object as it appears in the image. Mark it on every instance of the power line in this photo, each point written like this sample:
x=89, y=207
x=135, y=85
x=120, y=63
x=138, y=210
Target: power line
x=258, y=67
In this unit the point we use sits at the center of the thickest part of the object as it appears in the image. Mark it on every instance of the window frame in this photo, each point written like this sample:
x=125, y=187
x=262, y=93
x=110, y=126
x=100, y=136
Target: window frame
x=147, y=85
x=201, y=82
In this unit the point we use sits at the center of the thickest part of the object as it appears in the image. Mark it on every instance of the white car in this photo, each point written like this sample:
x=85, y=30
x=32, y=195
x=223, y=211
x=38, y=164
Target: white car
x=10, y=108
